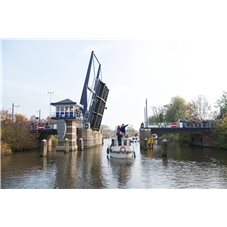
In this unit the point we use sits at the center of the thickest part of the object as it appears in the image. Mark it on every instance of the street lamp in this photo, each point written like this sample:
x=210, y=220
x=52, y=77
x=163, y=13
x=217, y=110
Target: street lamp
x=13, y=106
x=39, y=111
x=50, y=93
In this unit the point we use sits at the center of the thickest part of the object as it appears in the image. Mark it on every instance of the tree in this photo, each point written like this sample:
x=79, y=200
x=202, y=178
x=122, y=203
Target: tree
x=222, y=104
x=200, y=108
x=131, y=131
x=158, y=115
x=16, y=134
x=221, y=132
x=177, y=109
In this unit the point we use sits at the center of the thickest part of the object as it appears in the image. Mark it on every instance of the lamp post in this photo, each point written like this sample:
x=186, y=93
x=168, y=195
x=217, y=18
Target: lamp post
x=39, y=111
x=146, y=114
x=13, y=106
x=50, y=93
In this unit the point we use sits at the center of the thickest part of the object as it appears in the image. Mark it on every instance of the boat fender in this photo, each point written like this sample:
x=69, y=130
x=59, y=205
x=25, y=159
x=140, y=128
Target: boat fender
x=122, y=149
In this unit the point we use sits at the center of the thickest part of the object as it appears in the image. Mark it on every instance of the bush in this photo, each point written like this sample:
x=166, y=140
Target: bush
x=17, y=133
x=54, y=141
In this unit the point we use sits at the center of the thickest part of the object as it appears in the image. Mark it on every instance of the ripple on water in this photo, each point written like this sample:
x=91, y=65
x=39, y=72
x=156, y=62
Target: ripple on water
x=182, y=168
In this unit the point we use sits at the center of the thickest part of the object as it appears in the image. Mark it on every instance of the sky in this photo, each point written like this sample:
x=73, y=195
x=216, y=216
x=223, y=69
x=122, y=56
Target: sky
x=133, y=70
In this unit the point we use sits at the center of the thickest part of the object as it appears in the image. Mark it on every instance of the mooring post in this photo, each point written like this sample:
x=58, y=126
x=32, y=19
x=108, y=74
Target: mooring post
x=81, y=144
x=49, y=143
x=164, y=148
x=66, y=145
x=43, y=148
x=145, y=143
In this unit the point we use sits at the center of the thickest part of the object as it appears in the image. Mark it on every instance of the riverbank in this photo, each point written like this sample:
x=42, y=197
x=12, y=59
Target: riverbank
x=5, y=149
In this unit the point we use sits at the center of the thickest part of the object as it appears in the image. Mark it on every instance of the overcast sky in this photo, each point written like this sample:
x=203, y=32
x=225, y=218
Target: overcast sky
x=133, y=71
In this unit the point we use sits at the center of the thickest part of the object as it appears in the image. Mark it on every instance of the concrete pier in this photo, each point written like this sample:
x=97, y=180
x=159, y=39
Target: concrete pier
x=71, y=135
x=202, y=140
x=87, y=137
x=144, y=134
x=90, y=138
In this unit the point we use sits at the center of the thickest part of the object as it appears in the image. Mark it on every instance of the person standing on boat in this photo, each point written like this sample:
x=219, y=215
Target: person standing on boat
x=122, y=129
x=118, y=134
x=118, y=130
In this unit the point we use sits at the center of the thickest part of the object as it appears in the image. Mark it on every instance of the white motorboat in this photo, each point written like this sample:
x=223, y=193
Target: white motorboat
x=121, y=149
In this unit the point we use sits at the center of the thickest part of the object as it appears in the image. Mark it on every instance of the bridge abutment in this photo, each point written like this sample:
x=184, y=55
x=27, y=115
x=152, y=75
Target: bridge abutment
x=144, y=133
x=202, y=140
x=90, y=137
x=71, y=135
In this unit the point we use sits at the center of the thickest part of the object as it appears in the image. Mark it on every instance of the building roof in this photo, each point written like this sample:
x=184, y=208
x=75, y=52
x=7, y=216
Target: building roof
x=64, y=102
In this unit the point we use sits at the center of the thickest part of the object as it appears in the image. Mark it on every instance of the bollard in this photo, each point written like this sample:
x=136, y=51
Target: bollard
x=81, y=144
x=164, y=148
x=66, y=145
x=43, y=152
x=145, y=143
x=49, y=143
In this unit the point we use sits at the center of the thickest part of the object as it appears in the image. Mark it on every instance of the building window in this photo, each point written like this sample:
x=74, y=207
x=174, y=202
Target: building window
x=66, y=109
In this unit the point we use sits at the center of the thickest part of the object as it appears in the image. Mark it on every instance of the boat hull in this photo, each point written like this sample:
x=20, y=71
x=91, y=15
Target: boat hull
x=122, y=155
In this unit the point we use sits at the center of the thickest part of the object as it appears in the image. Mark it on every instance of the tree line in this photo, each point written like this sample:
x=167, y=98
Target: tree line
x=178, y=108
x=15, y=133
x=195, y=110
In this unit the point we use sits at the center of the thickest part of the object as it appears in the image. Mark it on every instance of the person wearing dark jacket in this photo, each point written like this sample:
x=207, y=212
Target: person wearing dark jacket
x=122, y=129
x=118, y=134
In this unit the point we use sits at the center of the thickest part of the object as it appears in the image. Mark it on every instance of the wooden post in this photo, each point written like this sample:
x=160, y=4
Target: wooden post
x=145, y=143
x=66, y=145
x=164, y=148
x=49, y=143
x=43, y=148
x=81, y=144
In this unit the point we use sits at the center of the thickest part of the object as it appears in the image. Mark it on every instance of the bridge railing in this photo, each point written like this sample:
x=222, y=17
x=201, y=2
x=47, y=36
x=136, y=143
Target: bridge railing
x=42, y=127
x=184, y=124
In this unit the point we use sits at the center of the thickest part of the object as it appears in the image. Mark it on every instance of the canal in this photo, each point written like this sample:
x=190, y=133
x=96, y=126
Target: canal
x=184, y=167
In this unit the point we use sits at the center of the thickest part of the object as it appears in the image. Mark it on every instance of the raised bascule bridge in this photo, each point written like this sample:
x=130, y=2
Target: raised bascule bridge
x=79, y=123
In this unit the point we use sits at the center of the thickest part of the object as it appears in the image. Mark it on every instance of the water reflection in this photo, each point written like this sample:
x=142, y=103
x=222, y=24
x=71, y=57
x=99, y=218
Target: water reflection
x=149, y=153
x=121, y=170
x=165, y=161
x=80, y=169
x=44, y=163
x=183, y=167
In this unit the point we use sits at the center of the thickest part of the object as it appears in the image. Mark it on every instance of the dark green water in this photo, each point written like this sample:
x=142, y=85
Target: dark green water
x=184, y=167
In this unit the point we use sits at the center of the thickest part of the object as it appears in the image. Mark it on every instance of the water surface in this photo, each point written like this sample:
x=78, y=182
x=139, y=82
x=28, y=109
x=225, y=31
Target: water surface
x=184, y=167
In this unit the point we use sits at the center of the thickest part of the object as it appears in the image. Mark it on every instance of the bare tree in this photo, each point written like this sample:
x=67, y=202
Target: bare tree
x=201, y=108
